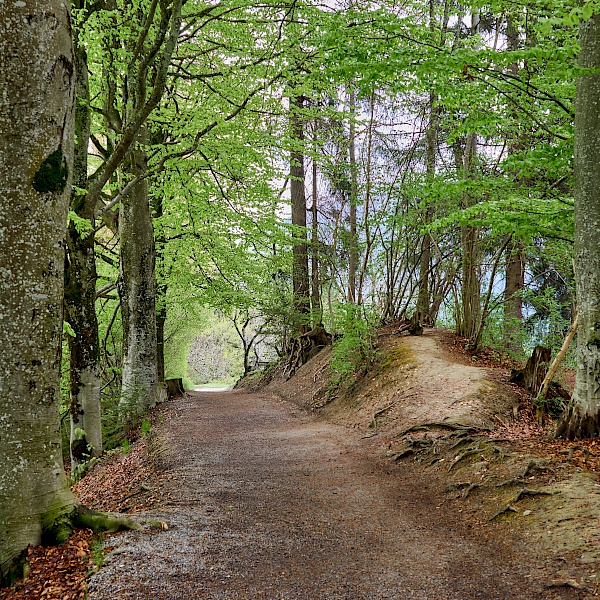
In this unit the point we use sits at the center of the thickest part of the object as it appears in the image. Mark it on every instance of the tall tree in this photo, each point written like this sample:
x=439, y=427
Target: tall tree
x=36, y=157
x=300, y=274
x=80, y=281
x=582, y=419
x=352, y=226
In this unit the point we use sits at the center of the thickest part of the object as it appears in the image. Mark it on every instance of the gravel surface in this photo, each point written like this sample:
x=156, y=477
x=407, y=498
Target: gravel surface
x=265, y=501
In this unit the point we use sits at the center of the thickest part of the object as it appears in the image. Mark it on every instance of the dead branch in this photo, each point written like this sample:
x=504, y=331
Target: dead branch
x=558, y=359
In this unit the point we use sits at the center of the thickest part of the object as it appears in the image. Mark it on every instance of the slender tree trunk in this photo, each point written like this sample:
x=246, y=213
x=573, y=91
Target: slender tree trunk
x=36, y=159
x=353, y=242
x=161, y=319
x=161, y=293
x=317, y=311
x=515, y=257
x=300, y=276
x=424, y=296
x=471, y=289
x=141, y=389
x=513, y=304
x=582, y=418
x=80, y=292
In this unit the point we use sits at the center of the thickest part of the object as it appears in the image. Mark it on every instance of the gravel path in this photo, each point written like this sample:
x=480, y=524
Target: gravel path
x=263, y=501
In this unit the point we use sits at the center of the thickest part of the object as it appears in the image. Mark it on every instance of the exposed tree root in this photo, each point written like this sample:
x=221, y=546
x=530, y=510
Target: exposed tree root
x=464, y=440
x=470, y=488
x=60, y=528
x=536, y=465
x=304, y=347
x=460, y=457
x=453, y=487
x=378, y=413
x=82, y=517
x=566, y=583
x=507, y=508
x=575, y=425
x=586, y=451
x=508, y=482
x=531, y=492
x=443, y=425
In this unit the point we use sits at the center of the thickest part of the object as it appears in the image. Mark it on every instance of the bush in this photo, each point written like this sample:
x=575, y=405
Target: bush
x=354, y=345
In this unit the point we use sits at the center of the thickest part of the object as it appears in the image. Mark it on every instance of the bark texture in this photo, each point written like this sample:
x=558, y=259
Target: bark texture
x=80, y=291
x=36, y=158
x=471, y=286
x=353, y=239
x=140, y=389
x=300, y=275
x=581, y=419
x=513, y=304
x=424, y=296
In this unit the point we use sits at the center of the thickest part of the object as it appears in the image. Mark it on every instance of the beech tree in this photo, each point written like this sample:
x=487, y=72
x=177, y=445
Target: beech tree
x=36, y=158
x=582, y=419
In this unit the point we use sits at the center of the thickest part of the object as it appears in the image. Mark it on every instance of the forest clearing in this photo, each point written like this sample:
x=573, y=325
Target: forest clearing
x=365, y=237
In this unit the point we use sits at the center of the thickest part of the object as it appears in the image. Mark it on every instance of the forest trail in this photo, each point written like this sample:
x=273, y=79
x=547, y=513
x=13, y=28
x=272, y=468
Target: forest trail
x=263, y=500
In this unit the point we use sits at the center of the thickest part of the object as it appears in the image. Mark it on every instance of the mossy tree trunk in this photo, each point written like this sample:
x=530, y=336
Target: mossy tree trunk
x=582, y=418
x=140, y=389
x=36, y=157
x=80, y=290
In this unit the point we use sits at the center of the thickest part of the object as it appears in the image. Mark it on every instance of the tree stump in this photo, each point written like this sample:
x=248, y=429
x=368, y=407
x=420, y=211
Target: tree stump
x=414, y=325
x=536, y=368
x=174, y=387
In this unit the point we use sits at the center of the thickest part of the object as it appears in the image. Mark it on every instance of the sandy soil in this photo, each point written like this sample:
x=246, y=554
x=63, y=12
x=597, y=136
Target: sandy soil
x=263, y=500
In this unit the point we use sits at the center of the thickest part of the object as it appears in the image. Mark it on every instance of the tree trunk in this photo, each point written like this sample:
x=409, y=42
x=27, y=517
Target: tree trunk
x=471, y=289
x=424, y=296
x=141, y=389
x=353, y=242
x=515, y=256
x=161, y=293
x=80, y=292
x=513, y=304
x=581, y=419
x=317, y=311
x=300, y=276
x=36, y=159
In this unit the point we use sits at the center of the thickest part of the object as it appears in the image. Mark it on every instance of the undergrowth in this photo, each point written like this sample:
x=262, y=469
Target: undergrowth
x=354, y=346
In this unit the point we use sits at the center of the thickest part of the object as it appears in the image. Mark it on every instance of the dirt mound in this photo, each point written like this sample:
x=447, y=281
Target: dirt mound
x=414, y=380
x=464, y=425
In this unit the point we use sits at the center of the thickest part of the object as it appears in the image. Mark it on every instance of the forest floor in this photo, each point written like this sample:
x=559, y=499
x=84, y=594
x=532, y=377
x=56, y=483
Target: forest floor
x=427, y=479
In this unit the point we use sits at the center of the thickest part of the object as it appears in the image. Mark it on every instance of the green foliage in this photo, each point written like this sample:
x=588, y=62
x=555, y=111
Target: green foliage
x=98, y=550
x=67, y=329
x=354, y=345
x=83, y=226
x=145, y=427
x=125, y=446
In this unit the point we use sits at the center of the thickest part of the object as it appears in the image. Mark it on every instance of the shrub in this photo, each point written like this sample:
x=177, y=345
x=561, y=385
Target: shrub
x=354, y=345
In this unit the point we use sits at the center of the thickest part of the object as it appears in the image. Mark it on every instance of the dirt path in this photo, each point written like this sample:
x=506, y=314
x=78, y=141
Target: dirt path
x=263, y=501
